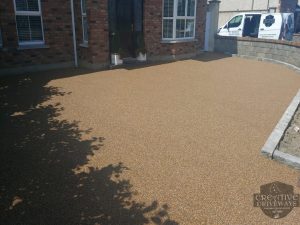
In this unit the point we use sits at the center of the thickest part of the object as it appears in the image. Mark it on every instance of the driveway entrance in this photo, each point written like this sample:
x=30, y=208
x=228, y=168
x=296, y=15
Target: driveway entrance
x=169, y=144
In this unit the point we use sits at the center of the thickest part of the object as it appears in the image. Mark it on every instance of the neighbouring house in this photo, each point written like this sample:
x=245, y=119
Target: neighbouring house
x=228, y=8
x=39, y=34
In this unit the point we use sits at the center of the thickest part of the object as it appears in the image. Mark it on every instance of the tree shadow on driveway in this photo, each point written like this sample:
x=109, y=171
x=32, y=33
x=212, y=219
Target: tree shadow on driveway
x=40, y=155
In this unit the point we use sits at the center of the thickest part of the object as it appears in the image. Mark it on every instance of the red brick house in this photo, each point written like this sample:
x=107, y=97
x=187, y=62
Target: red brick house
x=38, y=34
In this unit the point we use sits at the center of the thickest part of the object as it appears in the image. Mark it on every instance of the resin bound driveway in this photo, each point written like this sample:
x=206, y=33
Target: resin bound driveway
x=176, y=143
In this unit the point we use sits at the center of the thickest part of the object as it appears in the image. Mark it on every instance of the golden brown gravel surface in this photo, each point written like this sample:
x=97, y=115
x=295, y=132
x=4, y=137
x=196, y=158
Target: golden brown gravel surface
x=189, y=132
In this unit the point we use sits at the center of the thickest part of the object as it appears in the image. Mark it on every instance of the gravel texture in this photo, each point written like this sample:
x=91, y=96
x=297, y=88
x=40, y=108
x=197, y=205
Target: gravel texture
x=291, y=141
x=176, y=143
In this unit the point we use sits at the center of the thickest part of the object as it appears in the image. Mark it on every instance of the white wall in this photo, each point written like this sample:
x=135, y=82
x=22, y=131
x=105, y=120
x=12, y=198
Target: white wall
x=234, y=5
x=244, y=5
x=263, y=4
x=229, y=8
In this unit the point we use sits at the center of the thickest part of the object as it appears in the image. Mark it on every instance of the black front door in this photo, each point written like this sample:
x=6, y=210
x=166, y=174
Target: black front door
x=125, y=25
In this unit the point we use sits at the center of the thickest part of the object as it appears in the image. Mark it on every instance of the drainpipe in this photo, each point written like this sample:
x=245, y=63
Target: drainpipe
x=74, y=34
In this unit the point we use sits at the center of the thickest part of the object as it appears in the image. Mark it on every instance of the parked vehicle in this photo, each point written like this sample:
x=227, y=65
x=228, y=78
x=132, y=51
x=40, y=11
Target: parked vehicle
x=260, y=25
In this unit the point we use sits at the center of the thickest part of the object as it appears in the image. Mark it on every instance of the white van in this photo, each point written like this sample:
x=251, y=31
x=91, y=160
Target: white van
x=260, y=25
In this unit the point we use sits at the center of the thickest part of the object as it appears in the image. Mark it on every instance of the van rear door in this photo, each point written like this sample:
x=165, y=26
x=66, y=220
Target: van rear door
x=270, y=26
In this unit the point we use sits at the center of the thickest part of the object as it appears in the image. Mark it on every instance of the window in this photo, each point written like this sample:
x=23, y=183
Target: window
x=29, y=21
x=179, y=19
x=235, y=22
x=84, y=22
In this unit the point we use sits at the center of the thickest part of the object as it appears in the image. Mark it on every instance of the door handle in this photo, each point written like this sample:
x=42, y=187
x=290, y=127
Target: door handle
x=240, y=29
x=262, y=29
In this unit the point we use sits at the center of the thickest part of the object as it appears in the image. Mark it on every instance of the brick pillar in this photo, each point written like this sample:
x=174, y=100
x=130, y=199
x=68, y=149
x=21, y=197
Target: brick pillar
x=8, y=24
x=98, y=31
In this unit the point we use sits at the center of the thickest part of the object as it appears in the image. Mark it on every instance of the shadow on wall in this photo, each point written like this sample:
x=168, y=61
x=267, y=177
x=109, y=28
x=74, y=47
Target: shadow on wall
x=227, y=45
x=40, y=155
x=211, y=56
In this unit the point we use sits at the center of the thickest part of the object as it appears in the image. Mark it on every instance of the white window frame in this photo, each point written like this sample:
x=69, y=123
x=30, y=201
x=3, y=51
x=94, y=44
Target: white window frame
x=30, y=13
x=175, y=17
x=84, y=16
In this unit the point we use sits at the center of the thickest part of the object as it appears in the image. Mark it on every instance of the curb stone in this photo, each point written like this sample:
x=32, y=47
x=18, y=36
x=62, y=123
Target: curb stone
x=270, y=149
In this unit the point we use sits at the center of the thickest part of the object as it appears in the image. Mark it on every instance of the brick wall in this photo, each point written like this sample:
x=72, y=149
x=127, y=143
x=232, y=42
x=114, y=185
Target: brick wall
x=57, y=30
x=59, y=41
x=153, y=31
x=97, y=51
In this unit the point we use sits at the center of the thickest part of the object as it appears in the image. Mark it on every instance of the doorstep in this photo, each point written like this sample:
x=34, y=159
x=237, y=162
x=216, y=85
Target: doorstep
x=128, y=62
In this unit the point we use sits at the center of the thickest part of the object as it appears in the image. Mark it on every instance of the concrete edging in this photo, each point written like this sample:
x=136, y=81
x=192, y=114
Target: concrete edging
x=270, y=149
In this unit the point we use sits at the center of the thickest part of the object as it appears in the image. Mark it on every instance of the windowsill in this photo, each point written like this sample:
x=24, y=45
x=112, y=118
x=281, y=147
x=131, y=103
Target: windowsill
x=178, y=41
x=32, y=46
x=84, y=45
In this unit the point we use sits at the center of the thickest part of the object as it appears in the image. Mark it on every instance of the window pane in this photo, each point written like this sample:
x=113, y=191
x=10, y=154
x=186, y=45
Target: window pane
x=36, y=28
x=167, y=28
x=181, y=8
x=189, y=29
x=85, y=28
x=23, y=28
x=29, y=28
x=191, y=8
x=21, y=5
x=168, y=8
x=83, y=6
x=180, y=28
x=27, y=5
x=235, y=22
x=33, y=5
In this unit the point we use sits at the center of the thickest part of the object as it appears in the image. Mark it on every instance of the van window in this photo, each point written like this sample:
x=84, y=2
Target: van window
x=235, y=21
x=251, y=25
